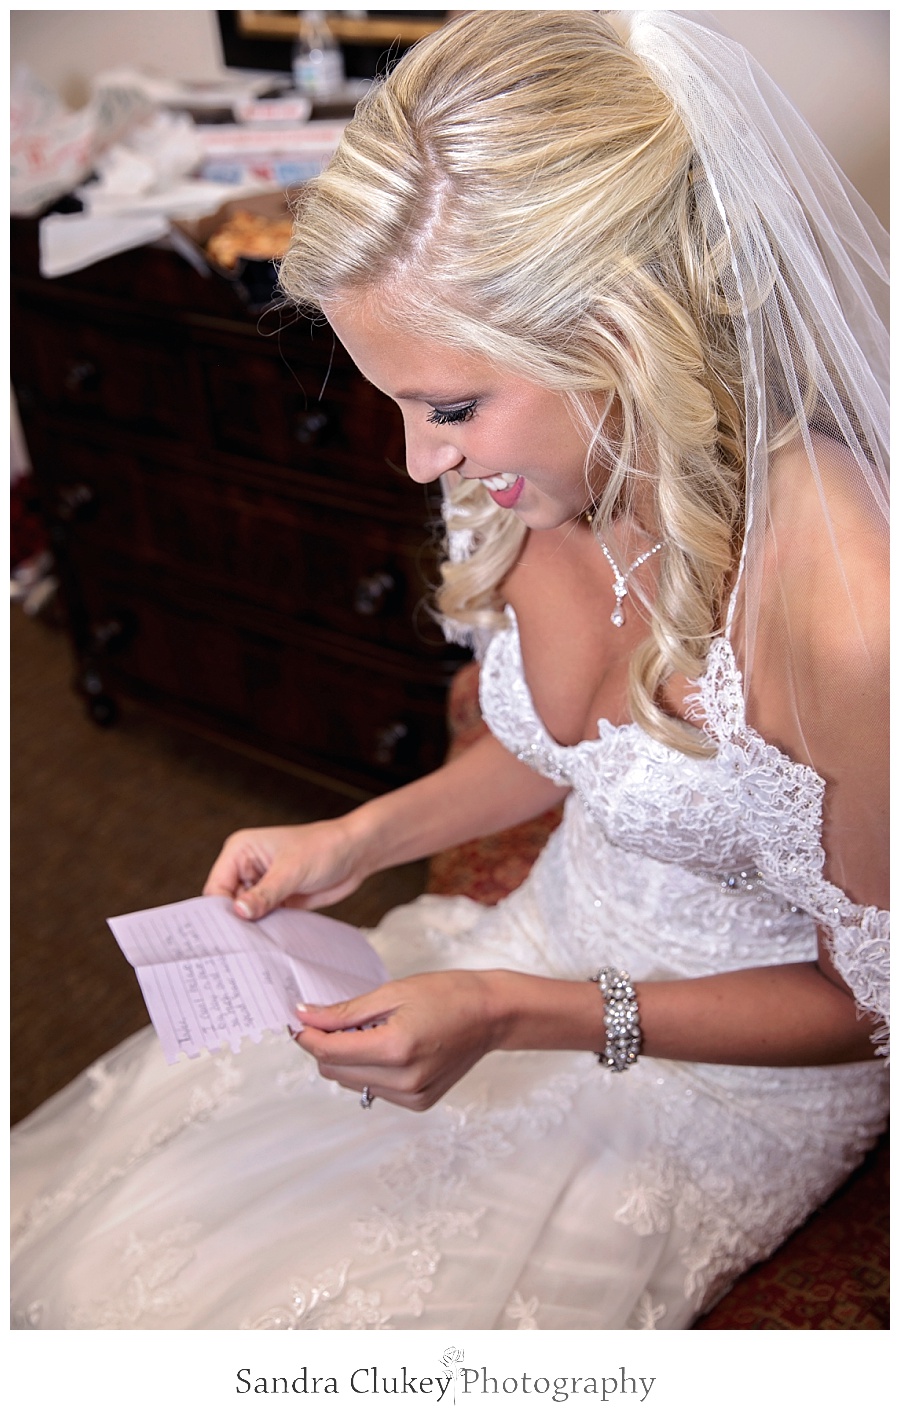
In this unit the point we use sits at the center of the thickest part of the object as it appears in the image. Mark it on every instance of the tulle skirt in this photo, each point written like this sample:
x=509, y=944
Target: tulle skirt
x=243, y=1191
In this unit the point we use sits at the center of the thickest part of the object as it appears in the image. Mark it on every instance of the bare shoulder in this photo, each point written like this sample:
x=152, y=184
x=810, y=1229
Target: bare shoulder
x=826, y=485
x=820, y=685
x=820, y=679
x=828, y=554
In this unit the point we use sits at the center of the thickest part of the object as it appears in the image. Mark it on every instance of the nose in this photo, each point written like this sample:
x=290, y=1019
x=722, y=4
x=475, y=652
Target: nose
x=429, y=453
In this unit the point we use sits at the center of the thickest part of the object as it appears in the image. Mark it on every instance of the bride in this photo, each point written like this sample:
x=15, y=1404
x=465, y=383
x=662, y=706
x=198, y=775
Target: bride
x=629, y=316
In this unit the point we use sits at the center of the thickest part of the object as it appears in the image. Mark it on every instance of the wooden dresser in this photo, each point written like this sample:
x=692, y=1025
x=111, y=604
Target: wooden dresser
x=236, y=541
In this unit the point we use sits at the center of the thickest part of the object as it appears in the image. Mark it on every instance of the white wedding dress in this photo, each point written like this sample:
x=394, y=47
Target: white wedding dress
x=543, y=1191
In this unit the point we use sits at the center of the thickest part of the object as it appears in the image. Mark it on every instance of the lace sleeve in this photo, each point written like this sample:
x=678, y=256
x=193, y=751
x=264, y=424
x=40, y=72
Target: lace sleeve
x=792, y=861
x=784, y=802
x=861, y=953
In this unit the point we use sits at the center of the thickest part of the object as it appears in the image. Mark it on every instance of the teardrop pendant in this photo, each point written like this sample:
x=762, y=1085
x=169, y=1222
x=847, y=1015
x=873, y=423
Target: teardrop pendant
x=620, y=579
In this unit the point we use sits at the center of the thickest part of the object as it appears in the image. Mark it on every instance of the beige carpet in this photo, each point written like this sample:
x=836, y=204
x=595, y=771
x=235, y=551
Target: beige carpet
x=105, y=822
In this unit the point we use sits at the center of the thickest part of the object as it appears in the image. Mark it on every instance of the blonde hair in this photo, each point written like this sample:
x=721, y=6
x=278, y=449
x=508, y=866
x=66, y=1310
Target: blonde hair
x=520, y=187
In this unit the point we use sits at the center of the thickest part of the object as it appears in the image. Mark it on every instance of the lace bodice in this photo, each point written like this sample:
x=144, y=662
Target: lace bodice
x=745, y=823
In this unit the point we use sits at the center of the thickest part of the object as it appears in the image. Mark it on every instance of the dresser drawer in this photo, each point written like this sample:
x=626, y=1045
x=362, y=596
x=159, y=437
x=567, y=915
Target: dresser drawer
x=375, y=719
x=120, y=374
x=300, y=406
x=335, y=570
x=361, y=574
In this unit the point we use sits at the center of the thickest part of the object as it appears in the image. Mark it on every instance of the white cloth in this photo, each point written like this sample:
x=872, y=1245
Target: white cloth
x=543, y=1191
x=71, y=241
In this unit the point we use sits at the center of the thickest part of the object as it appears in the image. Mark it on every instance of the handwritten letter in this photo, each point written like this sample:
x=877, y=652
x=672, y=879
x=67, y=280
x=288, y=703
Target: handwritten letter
x=210, y=979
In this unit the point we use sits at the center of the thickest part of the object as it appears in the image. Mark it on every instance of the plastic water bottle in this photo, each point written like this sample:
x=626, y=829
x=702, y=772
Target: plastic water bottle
x=318, y=65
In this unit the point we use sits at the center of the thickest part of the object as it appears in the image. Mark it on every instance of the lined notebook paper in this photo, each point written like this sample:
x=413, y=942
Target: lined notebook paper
x=211, y=979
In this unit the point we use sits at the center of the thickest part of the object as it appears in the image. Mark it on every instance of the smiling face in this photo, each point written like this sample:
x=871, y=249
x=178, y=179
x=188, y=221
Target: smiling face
x=462, y=415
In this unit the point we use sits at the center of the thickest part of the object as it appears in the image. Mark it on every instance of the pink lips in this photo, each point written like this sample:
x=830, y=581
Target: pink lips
x=508, y=497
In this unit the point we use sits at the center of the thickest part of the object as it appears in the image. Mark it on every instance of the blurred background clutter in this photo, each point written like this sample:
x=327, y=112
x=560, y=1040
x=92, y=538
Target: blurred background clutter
x=218, y=568
x=832, y=63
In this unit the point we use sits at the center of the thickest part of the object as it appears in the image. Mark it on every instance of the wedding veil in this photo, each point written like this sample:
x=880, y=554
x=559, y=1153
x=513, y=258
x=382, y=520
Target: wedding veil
x=803, y=265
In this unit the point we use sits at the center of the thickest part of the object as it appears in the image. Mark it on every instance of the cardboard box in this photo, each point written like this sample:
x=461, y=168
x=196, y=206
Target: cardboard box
x=234, y=153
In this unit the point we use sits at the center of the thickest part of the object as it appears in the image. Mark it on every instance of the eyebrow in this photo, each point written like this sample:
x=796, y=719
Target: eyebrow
x=430, y=399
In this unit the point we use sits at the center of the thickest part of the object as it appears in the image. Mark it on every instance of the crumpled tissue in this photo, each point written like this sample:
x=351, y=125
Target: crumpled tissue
x=138, y=155
x=53, y=149
x=152, y=159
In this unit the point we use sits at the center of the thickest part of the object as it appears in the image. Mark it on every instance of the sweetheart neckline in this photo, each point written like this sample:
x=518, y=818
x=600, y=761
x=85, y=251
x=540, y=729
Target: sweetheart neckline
x=610, y=729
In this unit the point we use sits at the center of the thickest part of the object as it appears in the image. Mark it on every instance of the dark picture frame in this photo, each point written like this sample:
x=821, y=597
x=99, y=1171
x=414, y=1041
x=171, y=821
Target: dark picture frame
x=263, y=39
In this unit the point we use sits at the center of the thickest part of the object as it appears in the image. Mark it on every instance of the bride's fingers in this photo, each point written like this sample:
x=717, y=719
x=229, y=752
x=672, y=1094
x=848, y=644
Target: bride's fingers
x=397, y=1086
x=406, y=1100
x=394, y=1085
x=378, y=1081
x=364, y=1047
x=341, y=1019
x=353, y=1076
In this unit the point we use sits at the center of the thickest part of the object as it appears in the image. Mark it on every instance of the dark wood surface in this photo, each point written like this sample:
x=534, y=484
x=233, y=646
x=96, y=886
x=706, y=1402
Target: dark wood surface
x=237, y=542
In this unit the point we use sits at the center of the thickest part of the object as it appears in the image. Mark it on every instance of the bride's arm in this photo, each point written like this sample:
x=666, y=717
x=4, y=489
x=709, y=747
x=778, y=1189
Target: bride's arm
x=483, y=790
x=431, y=1029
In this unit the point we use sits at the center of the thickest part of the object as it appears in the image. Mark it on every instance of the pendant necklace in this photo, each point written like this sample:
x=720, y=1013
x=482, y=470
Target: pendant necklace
x=620, y=583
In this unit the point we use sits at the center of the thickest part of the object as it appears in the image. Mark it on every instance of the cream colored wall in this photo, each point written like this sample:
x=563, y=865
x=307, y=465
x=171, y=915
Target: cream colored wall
x=65, y=48
x=834, y=64
x=835, y=67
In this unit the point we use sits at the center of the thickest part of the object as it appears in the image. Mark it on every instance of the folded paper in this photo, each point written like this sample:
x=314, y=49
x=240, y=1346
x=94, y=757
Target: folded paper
x=210, y=979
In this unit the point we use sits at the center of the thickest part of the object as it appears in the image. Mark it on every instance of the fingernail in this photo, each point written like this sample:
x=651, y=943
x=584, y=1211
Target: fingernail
x=241, y=909
x=306, y=1006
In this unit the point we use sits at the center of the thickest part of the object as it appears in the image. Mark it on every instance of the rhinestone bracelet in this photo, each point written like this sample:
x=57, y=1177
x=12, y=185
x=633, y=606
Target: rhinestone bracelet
x=621, y=1019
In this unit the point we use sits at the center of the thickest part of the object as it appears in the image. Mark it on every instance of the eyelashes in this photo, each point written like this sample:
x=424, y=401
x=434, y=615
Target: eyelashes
x=458, y=415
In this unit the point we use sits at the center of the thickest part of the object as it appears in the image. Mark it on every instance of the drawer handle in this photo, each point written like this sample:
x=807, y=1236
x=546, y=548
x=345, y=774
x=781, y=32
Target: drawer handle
x=372, y=594
x=310, y=426
x=111, y=635
x=81, y=377
x=388, y=741
x=74, y=502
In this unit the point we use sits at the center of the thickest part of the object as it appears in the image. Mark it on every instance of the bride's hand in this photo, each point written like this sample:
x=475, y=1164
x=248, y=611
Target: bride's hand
x=408, y=1041
x=295, y=866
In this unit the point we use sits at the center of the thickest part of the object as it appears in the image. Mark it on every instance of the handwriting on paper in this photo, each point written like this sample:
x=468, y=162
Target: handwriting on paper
x=211, y=979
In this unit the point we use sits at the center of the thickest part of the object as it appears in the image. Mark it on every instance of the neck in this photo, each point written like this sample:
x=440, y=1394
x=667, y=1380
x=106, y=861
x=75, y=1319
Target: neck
x=627, y=537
